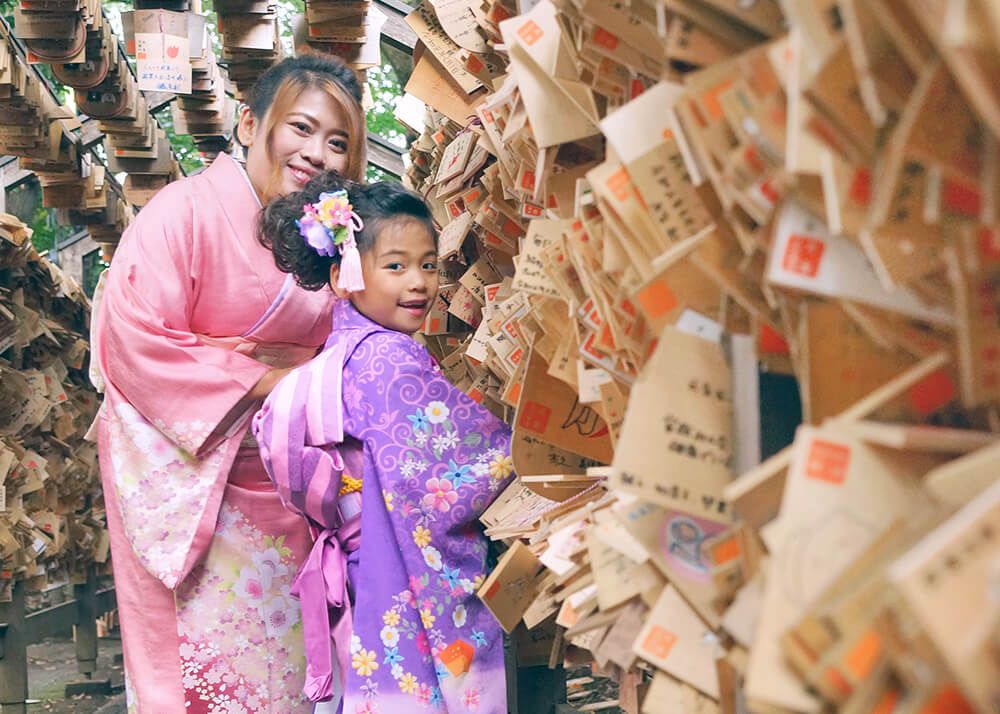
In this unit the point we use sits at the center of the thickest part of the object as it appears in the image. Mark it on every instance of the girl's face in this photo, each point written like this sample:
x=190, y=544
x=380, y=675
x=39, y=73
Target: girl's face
x=401, y=276
x=311, y=137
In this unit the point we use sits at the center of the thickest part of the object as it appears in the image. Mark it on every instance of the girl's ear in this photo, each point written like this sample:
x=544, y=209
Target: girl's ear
x=334, y=277
x=246, y=128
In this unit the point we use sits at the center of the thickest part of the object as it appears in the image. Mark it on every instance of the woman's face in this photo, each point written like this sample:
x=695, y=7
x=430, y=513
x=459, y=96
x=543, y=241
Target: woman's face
x=311, y=137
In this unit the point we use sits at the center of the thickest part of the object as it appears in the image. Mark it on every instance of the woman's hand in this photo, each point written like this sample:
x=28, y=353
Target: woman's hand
x=266, y=384
x=257, y=394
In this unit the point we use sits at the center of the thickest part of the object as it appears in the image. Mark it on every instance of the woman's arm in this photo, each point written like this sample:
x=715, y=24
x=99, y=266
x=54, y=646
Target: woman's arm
x=258, y=393
x=148, y=350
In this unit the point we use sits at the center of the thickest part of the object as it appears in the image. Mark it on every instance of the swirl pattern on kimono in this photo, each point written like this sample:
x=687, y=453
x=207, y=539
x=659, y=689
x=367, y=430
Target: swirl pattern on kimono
x=441, y=459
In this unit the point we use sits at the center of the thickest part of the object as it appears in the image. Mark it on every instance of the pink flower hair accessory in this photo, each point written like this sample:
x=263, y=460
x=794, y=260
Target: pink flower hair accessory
x=329, y=225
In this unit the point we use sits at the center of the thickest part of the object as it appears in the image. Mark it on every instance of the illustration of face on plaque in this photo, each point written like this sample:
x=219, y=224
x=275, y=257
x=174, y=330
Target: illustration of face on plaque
x=683, y=537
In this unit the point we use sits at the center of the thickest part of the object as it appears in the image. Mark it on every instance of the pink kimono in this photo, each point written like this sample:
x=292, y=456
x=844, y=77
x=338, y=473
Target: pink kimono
x=193, y=313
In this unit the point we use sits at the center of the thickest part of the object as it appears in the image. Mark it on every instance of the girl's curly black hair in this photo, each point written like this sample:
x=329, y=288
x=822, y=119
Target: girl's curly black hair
x=376, y=203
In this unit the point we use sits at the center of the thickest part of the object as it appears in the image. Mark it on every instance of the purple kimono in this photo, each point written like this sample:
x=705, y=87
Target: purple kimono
x=375, y=404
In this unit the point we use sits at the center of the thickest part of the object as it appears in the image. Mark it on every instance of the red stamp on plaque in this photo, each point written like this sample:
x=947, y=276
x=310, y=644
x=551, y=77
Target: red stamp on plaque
x=511, y=228
x=659, y=642
x=605, y=39
x=932, y=392
x=828, y=462
x=989, y=243
x=535, y=417
x=803, y=255
x=618, y=183
x=530, y=32
x=474, y=64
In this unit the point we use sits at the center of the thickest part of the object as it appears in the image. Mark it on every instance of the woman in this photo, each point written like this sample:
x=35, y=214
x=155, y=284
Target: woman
x=195, y=327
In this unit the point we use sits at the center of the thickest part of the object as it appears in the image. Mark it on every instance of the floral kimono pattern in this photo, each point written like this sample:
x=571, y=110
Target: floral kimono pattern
x=432, y=460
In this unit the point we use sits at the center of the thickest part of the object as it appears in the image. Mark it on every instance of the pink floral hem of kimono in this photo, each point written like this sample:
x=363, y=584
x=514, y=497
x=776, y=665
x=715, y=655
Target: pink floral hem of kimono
x=231, y=633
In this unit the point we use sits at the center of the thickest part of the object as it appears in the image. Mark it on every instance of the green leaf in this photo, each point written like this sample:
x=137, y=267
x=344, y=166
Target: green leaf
x=381, y=118
x=183, y=145
x=474, y=439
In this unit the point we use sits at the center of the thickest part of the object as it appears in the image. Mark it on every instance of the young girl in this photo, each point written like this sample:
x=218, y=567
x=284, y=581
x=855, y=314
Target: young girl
x=410, y=634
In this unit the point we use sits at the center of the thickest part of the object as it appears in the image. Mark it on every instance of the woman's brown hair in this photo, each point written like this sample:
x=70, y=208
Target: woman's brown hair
x=275, y=92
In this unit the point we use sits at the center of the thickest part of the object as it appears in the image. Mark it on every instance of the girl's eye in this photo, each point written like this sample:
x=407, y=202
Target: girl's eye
x=394, y=266
x=431, y=266
x=304, y=128
x=338, y=145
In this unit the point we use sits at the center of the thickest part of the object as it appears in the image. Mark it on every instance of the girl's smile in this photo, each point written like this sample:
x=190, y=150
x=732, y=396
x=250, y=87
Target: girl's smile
x=416, y=307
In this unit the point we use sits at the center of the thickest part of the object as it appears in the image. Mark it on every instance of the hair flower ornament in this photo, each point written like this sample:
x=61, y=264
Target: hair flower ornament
x=330, y=225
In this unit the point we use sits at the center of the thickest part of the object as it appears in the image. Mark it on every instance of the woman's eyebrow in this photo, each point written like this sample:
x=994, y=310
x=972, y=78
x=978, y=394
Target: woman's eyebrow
x=307, y=115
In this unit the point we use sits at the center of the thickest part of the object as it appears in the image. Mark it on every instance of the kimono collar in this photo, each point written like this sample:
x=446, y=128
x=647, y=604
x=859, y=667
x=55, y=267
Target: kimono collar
x=246, y=177
x=347, y=317
x=231, y=182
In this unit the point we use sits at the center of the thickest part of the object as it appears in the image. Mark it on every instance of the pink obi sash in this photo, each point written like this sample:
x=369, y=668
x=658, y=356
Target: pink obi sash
x=291, y=430
x=322, y=588
x=322, y=581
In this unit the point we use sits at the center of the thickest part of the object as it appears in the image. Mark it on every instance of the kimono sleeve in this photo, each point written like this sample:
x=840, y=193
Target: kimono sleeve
x=433, y=446
x=147, y=350
x=299, y=432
